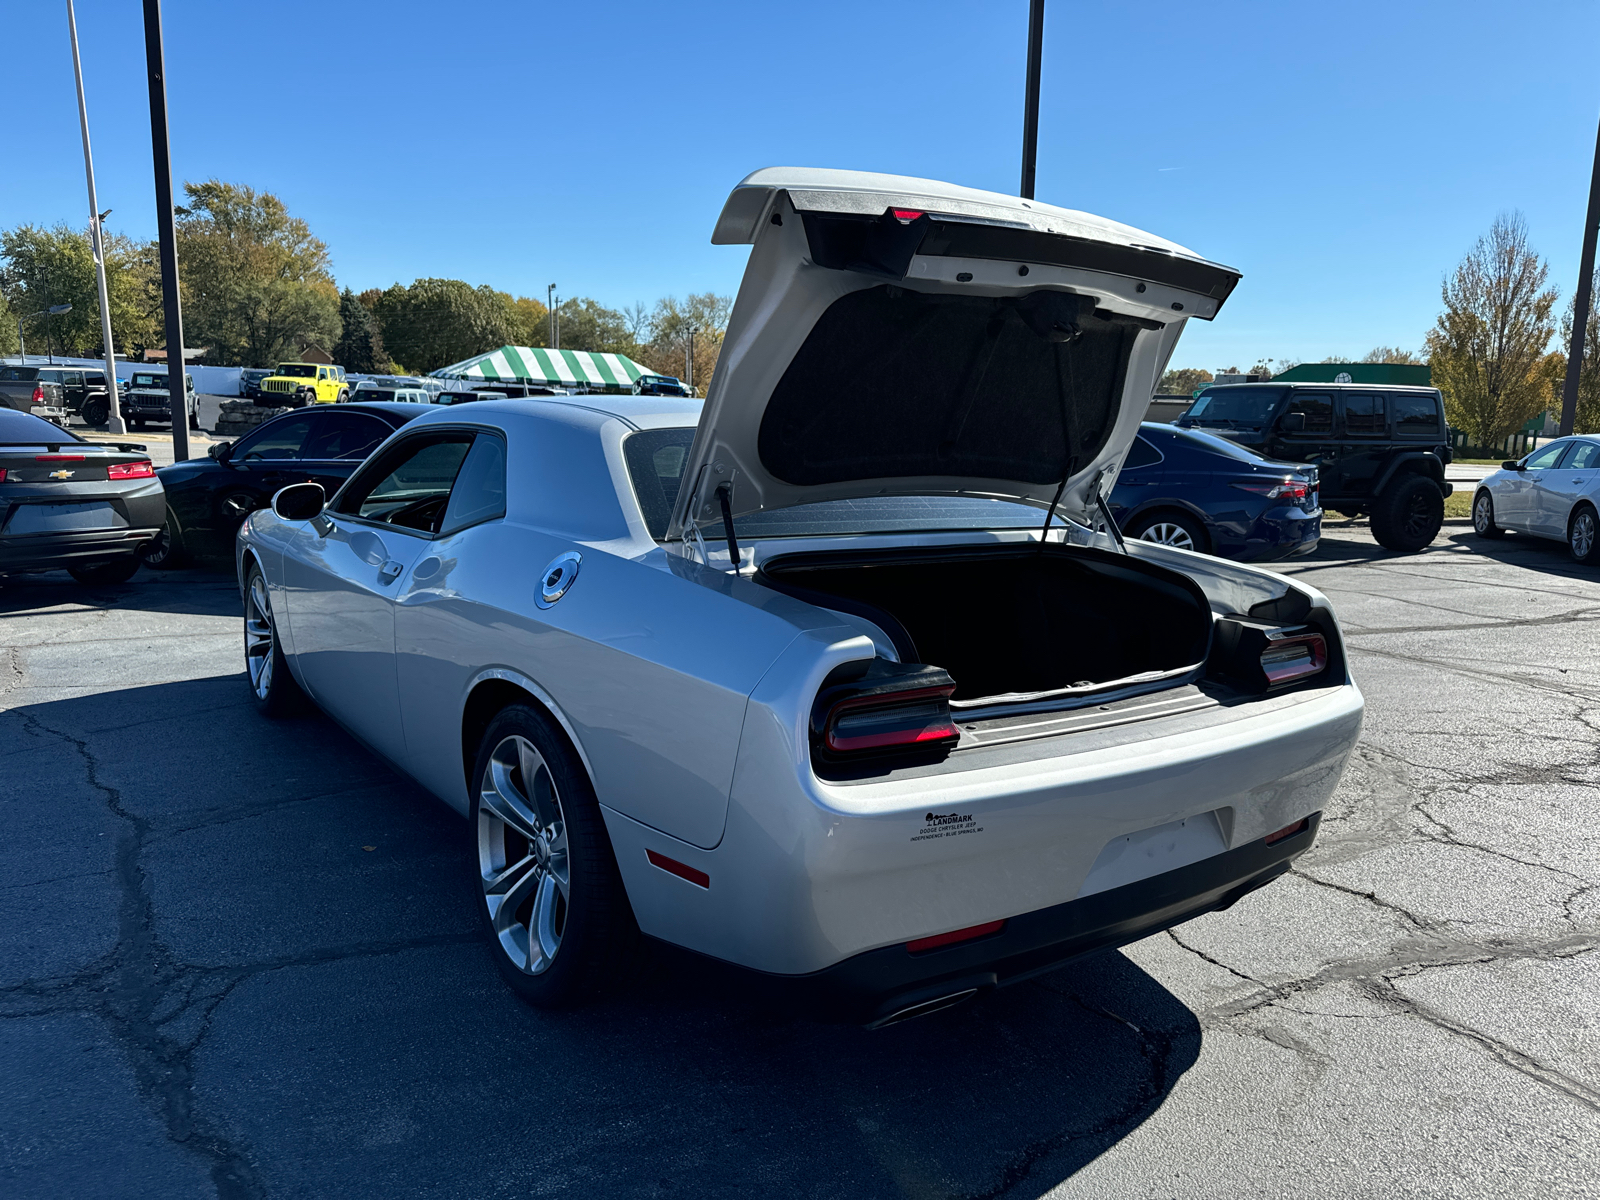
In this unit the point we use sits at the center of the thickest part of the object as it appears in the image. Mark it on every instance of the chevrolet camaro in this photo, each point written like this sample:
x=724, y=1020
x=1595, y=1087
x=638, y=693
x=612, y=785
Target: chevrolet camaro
x=844, y=676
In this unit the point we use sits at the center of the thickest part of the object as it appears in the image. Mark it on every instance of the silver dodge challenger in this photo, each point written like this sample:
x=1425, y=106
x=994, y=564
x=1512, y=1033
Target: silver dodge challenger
x=843, y=677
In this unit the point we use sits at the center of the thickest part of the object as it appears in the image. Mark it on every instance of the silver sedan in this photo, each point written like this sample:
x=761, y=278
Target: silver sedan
x=1552, y=493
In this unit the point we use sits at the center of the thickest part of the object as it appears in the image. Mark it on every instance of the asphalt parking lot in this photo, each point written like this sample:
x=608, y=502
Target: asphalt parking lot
x=241, y=957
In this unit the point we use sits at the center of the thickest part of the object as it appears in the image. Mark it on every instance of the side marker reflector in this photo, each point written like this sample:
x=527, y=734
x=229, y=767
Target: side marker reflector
x=954, y=936
x=1287, y=831
x=682, y=870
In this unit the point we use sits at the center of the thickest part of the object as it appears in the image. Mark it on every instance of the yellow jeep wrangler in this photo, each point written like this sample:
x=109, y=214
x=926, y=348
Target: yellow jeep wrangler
x=297, y=384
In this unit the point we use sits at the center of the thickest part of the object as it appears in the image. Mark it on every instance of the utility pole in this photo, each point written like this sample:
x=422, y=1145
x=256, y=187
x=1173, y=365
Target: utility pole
x=1580, y=300
x=155, y=63
x=1030, y=102
x=550, y=303
x=688, y=359
x=114, y=410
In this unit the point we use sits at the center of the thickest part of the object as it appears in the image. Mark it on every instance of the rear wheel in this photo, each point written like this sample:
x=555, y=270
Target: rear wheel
x=95, y=412
x=164, y=551
x=117, y=571
x=1583, y=535
x=275, y=691
x=1409, y=514
x=1174, y=529
x=554, y=909
x=1483, y=517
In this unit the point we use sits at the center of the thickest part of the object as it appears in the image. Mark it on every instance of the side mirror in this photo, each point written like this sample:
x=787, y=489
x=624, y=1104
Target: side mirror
x=1292, y=423
x=299, y=501
x=1512, y=464
x=219, y=450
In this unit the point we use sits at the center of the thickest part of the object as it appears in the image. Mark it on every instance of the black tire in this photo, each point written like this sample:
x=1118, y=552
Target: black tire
x=1583, y=535
x=1170, y=528
x=118, y=570
x=95, y=412
x=1483, y=516
x=344, y=398
x=165, y=551
x=266, y=670
x=194, y=421
x=1408, y=515
x=591, y=925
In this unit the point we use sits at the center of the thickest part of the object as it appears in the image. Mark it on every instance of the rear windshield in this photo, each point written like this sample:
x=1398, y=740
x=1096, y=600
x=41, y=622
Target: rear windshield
x=18, y=374
x=1203, y=441
x=371, y=393
x=656, y=457
x=1247, y=404
x=297, y=371
x=26, y=428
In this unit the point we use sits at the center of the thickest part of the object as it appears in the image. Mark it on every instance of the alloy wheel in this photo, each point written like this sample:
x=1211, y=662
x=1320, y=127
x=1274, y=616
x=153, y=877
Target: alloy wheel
x=1583, y=534
x=1168, y=534
x=522, y=854
x=259, y=638
x=1480, y=513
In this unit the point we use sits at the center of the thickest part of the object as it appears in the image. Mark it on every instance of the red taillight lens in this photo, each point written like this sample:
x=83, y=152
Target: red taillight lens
x=38, y=394
x=920, y=717
x=906, y=214
x=682, y=870
x=1284, y=489
x=1287, y=831
x=2, y=474
x=954, y=936
x=1288, y=659
x=133, y=470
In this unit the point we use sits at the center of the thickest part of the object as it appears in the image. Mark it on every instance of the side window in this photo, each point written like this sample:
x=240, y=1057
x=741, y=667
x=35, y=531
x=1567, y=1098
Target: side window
x=1546, y=457
x=480, y=490
x=409, y=485
x=344, y=435
x=1317, y=409
x=1584, y=458
x=73, y=379
x=274, y=440
x=1364, y=414
x=1416, y=416
x=1142, y=454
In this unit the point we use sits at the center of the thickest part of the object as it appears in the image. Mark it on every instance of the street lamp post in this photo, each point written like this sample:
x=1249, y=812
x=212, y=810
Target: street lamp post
x=55, y=310
x=166, y=228
x=1580, y=300
x=1030, y=103
x=688, y=359
x=96, y=217
x=555, y=320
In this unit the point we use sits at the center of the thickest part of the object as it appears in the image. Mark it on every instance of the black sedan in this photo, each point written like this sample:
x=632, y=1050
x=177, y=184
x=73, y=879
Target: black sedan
x=207, y=498
x=1199, y=492
x=68, y=503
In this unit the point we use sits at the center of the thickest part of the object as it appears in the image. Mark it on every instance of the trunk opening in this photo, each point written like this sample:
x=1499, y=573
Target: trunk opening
x=1047, y=625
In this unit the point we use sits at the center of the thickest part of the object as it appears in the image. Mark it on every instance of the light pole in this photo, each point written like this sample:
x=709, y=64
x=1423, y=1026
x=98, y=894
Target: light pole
x=688, y=359
x=555, y=321
x=161, y=152
x=1030, y=102
x=55, y=310
x=96, y=218
x=1580, y=300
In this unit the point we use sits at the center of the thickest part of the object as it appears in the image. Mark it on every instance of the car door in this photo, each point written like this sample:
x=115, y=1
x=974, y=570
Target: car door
x=1557, y=489
x=1362, y=431
x=1313, y=441
x=1514, y=500
x=341, y=572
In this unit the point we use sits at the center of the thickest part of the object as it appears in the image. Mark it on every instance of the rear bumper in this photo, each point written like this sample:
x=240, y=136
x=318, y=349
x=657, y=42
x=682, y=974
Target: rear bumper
x=880, y=986
x=56, y=551
x=1280, y=533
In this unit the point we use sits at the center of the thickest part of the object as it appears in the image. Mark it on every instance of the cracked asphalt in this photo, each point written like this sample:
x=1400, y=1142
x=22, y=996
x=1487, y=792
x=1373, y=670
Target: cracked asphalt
x=240, y=957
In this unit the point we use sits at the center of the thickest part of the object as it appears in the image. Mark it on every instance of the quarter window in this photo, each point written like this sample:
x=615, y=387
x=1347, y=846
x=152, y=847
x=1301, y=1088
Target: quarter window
x=1317, y=409
x=1416, y=416
x=479, y=493
x=1364, y=414
x=1141, y=454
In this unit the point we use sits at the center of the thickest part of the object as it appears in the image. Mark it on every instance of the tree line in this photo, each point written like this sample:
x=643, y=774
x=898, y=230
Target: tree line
x=1497, y=350
x=258, y=288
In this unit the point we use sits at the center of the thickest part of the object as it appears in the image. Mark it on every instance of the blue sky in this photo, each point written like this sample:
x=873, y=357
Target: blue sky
x=1342, y=156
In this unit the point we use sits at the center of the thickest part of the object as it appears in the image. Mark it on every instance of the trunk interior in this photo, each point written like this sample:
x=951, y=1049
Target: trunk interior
x=1016, y=624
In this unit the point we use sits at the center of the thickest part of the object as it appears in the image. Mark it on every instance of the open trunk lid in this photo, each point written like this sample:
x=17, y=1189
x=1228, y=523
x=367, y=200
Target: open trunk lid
x=899, y=336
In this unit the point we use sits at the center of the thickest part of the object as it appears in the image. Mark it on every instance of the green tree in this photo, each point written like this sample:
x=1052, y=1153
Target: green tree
x=1391, y=354
x=532, y=321
x=670, y=322
x=1183, y=381
x=360, y=346
x=56, y=266
x=436, y=322
x=257, y=286
x=589, y=325
x=1488, y=346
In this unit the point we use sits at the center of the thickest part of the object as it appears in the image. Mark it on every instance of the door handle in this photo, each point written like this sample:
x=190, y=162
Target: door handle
x=389, y=570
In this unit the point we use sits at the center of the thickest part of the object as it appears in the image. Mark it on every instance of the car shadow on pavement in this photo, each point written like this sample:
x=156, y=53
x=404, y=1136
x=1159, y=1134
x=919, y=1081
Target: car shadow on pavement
x=192, y=591
x=303, y=995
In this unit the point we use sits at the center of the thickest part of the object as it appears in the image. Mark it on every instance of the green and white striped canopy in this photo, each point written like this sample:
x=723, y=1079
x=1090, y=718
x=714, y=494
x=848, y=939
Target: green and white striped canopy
x=536, y=365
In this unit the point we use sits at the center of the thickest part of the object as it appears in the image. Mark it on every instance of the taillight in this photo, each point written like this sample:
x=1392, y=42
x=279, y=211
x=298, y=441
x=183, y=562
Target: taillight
x=2, y=474
x=38, y=394
x=133, y=470
x=888, y=707
x=1284, y=489
x=906, y=214
x=1286, y=659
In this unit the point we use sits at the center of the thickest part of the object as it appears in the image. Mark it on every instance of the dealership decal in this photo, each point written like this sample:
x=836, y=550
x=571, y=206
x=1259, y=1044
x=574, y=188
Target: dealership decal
x=943, y=825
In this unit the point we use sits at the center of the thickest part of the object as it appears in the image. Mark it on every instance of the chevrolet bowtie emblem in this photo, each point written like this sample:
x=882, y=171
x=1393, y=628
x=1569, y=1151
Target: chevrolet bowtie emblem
x=60, y=474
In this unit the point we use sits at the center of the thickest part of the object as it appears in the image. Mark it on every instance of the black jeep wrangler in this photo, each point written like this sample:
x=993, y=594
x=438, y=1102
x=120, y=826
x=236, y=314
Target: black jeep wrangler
x=1379, y=450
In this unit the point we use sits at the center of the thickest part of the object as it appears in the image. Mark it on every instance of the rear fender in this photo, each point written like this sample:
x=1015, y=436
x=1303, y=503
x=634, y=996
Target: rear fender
x=1419, y=462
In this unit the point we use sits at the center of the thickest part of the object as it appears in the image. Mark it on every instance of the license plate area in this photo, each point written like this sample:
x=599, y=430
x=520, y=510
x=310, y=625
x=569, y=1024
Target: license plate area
x=66, y=517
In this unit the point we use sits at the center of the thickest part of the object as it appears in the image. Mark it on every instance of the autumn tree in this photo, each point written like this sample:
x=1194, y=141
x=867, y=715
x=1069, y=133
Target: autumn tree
x=360, y=345
x=1391, y=354
x=670, y=322
x=1488, y=346
x=1183, y=381
x=45, y=267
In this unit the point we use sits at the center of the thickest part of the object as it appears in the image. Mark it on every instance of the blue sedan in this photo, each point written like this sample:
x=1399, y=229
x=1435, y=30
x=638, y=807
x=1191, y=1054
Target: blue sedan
x=1195, y=491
